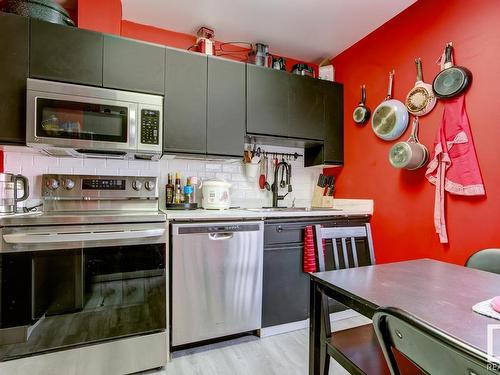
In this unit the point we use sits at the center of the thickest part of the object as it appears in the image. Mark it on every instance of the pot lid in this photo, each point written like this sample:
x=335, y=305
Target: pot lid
x=400, y=155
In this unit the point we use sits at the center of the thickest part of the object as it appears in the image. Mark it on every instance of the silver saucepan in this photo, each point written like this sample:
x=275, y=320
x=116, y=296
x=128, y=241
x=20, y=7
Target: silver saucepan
x=411, y=154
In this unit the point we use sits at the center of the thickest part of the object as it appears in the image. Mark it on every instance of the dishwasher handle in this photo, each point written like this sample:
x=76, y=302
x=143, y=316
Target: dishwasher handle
x=220, y=236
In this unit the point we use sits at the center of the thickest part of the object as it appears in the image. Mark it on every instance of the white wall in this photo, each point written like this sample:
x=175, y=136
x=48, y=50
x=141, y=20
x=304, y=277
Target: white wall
x=245, y=191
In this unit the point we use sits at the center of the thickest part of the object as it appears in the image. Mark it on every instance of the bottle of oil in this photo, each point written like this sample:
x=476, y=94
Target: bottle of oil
x=178, y=188
x=170, y=190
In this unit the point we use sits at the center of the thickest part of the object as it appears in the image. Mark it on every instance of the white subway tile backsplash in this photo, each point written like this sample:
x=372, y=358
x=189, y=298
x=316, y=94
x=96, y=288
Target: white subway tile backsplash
x=85, y=170
x=116, y=164
x=58, y=170
x=245, y=191
x=139, y=164
x=213, y=167
x=94, y=163
x=223, y=176
x=107, y=172
x=232, y=168
x=70, y=162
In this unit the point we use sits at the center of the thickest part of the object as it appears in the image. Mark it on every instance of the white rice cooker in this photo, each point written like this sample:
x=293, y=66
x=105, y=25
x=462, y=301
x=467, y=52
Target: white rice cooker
x=215, y=195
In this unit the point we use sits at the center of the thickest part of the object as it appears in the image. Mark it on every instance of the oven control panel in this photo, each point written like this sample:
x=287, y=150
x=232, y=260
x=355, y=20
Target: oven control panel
x=98, y=188
x=150, y=127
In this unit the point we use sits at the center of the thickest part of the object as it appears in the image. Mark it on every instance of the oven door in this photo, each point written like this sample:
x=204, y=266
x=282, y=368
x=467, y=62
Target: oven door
x=83, y=123
x=65, y=286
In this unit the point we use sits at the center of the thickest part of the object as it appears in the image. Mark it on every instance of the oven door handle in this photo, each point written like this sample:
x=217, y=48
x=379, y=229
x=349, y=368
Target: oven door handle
x=24, y=238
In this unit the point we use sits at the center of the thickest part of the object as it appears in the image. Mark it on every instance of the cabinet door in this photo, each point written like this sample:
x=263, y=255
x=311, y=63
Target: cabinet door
x=226, y=107
x=306, y=99
x=14, y=44
x=285, y=296
x=267, y=101
x=334, y=127
x=133, y=66
x=185, y=107
x=67, y=54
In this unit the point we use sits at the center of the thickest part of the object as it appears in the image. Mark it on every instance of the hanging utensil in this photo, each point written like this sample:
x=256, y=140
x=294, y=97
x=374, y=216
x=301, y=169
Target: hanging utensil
x=282, y=182
x=452, y=80
x=411, y=154
x=361, y=113
x=390, y=119
x=267, y=185
x=421, y=99
x=262, y=177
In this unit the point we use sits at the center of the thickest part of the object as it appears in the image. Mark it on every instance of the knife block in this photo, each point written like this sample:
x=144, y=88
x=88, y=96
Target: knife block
x=319, y=200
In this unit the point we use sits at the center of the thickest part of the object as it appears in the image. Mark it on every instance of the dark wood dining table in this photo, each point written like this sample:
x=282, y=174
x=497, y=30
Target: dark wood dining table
x=439, y=293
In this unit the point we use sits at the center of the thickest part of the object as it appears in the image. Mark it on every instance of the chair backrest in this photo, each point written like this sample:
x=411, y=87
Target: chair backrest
x=344, y=248
x=432, y=350
x=485, y=260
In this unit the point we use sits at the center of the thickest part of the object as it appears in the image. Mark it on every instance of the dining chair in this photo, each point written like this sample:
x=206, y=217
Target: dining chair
x=431, y=350
x=355, y=349
x=485, y=260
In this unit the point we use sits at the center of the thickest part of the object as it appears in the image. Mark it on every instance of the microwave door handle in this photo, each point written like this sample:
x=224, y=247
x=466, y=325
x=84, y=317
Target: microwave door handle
x=45, y=238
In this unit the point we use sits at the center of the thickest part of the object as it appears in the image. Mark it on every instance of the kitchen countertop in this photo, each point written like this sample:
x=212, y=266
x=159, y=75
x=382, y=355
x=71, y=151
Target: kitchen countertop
x=342, y=207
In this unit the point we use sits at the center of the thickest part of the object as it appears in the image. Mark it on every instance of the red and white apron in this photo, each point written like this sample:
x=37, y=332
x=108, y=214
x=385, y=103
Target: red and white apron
x=454, y=166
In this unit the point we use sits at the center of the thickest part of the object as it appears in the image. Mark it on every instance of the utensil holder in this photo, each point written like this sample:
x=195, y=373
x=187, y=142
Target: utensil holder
x=252, y=169
x=319, y=200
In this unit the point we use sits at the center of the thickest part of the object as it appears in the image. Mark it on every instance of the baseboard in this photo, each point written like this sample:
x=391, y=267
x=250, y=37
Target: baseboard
x=295, y=326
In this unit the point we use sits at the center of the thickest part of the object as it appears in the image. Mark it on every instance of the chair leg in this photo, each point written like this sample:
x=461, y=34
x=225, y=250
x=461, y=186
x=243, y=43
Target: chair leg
x=325, y=361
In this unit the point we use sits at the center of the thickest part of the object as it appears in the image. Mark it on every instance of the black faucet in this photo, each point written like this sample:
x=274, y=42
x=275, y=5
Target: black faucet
x=275, y=186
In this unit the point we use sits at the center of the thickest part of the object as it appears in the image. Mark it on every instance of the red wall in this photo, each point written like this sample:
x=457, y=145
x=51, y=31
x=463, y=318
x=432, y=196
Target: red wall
x=404, y=200
x=156, y=35
x=98, y=15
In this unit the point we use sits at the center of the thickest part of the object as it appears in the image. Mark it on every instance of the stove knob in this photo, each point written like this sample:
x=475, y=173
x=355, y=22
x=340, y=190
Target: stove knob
x=69, y=184
x=52, y=183
x=137, y=185
x=150, y=185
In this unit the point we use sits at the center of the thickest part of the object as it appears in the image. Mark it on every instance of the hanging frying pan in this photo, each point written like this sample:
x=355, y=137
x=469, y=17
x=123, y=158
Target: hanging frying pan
x=390, y=119
x=452, y=80
x=361, y=113
x=421, y=99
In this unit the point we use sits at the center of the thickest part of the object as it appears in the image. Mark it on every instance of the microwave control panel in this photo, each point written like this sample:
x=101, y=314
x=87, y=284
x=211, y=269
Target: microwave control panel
x=150, y=127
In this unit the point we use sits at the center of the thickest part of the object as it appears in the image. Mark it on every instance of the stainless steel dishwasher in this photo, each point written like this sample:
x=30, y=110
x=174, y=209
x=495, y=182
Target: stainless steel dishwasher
x=216, y=279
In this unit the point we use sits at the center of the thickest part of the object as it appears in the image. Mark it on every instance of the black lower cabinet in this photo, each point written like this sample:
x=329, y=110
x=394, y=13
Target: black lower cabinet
x=285, y=297
x=286, y=287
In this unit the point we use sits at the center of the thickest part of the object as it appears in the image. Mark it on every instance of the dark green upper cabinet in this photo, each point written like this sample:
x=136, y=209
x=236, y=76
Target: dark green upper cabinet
x=185, y=109
x=334, y=126
x=14, y=55
x=66, y=54
x=267, y=101
x=133, y=66
x=226, y=107
x=306, y=101
x=331, y=151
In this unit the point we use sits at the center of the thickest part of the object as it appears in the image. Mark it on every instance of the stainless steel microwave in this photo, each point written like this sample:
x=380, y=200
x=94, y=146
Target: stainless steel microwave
x=81, y=121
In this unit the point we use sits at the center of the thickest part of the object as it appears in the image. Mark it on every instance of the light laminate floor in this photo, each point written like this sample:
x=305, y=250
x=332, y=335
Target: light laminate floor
x=285, y=354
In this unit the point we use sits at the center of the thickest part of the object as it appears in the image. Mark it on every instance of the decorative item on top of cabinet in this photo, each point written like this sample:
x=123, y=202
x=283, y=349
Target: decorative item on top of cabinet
x=361, y=113
x=390, y=118
x=421, y=99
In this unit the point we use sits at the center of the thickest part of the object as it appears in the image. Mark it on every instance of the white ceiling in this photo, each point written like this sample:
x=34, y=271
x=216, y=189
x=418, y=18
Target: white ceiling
x=308, y=29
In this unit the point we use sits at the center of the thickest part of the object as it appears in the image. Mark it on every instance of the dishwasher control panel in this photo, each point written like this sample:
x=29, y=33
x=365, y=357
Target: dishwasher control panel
x=217, y=228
